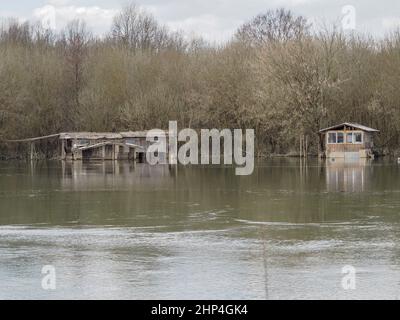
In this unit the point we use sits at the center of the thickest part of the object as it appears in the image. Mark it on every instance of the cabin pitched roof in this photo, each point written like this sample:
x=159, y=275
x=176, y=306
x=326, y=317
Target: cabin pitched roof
x=352, y=125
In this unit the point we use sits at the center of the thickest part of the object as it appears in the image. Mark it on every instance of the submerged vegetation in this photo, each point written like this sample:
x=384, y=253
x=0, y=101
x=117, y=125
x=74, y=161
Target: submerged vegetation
x=276, y=75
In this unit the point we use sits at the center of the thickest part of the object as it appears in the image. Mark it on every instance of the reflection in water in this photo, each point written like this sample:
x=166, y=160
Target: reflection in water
x=124, y=230
x=83, y=175
x=347, y=175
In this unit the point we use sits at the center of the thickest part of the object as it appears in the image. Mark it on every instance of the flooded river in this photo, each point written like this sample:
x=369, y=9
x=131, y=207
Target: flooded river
x=118, y=230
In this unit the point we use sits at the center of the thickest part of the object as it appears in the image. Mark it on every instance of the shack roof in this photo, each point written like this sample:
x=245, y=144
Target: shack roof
x=139, y=134
x=107, y=135
x=351, y=125
x=90, y=135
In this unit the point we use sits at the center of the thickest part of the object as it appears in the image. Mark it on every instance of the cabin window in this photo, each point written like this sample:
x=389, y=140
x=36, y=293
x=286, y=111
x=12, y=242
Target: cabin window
x=345, y=137
x=357, y=137
x=332, y=137
x=354, y=137
x=340, y=137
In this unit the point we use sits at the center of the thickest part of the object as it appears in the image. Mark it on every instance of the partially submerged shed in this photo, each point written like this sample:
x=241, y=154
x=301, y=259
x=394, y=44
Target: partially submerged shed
x=129, y=145
x=104, y=146
x=348, y=140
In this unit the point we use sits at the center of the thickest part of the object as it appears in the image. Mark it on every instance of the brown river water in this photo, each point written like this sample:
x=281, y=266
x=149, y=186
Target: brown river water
x=118, y=230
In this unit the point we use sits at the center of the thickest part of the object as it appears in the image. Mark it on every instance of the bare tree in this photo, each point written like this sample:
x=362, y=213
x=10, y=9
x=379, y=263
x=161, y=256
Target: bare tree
x=278, y=25
x=138, y=30
x=14, y=32
x=75, y=41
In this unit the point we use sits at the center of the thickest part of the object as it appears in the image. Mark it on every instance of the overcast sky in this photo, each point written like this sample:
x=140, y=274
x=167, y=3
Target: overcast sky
x=216, y=20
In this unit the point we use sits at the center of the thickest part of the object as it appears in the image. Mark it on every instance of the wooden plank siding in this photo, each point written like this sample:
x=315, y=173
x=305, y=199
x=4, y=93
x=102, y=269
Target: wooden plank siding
x=345, y=147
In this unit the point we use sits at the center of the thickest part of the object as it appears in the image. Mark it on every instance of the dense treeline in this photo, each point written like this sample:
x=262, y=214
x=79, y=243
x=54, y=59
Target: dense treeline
x=276, y=75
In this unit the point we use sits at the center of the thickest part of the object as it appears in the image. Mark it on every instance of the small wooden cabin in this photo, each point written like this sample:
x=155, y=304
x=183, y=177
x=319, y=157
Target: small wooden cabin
x=348, y=140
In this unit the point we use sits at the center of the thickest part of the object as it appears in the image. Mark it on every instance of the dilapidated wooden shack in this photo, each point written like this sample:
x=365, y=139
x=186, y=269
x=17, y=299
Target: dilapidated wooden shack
x=131, y=145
